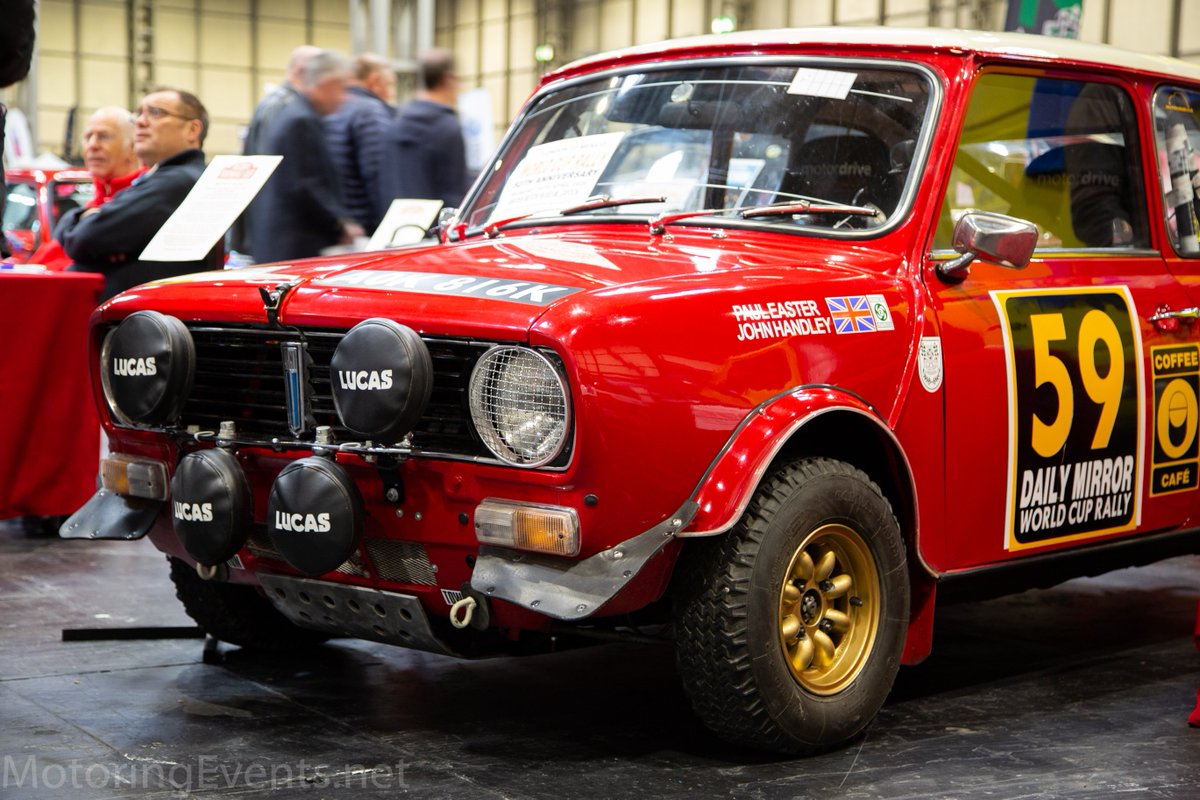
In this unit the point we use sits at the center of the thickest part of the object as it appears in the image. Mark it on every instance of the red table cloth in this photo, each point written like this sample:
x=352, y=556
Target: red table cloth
x=49, y=432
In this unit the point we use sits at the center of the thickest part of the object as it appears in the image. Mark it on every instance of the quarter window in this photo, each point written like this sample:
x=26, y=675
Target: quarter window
x=1058, y=153
x=1177, y=134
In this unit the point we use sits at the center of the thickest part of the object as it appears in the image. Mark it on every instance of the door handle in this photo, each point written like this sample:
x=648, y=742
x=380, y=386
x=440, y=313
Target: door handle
x=1167, y=320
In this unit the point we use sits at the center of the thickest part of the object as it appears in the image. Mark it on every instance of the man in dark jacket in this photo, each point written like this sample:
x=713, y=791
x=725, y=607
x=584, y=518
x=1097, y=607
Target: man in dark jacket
x=300, y=211
x=355, y=134
x=425, y=145
x=170, y=126
x=16, y=51
x=241, y=235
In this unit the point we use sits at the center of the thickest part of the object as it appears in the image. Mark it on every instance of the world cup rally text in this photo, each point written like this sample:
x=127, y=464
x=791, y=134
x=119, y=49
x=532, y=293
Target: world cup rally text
x=1071, y=494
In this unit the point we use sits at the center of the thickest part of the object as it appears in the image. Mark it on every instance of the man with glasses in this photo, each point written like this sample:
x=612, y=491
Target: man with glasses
x=169, y=129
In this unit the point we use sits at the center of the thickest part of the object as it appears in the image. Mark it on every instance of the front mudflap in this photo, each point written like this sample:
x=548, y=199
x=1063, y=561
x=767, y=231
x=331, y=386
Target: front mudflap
x=571, y=590
x=111, y=516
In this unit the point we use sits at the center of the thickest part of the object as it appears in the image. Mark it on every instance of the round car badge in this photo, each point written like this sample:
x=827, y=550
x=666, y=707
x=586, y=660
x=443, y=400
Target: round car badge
x=150, y=366
x=315, y=515
x=382, y=376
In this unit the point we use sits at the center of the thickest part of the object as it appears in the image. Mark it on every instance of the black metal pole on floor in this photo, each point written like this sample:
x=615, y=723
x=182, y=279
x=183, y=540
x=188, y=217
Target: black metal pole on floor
x=118, y=634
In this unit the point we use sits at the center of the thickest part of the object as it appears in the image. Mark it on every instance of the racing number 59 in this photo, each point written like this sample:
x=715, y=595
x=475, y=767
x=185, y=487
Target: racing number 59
x=1073, y=358
x=1104, y=390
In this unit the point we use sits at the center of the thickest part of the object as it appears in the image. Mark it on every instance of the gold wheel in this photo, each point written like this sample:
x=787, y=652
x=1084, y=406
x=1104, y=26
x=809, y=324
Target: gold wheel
x=829, y=609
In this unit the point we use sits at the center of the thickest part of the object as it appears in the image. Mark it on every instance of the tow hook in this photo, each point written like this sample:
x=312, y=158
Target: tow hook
x=465, y=608
x=472, y=610
x=215, y=572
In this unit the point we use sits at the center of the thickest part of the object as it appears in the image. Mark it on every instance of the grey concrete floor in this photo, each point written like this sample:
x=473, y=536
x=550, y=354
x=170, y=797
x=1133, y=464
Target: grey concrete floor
x=1080, y=691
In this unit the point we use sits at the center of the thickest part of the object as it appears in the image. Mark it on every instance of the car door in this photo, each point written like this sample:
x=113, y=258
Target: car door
x=1176, y=110
x=1055, y=374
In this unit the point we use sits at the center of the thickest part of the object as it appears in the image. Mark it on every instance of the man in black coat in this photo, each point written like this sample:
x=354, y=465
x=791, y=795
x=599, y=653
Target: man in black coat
x=169, y=129
x=300, y=211
x=355, y=134
x=240, y=235
x=425, y=144
x=16, y=51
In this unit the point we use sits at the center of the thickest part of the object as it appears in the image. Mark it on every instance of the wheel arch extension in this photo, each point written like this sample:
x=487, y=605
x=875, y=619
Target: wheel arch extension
x=807, y=421
x=830, y=422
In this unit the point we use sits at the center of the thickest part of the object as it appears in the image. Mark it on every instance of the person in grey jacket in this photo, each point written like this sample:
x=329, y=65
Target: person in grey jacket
x=425, y=144
x=355, y=134
x=300, y=210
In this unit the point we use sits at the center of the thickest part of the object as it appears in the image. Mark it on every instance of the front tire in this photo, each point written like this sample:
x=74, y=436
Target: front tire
x=237, y=614
x=789, y=629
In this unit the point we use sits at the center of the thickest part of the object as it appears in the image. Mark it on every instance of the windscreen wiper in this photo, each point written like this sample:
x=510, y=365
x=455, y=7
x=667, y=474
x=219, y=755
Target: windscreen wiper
x=807, y=207
x=659, y=223
x=492, y=229
x=604, y=201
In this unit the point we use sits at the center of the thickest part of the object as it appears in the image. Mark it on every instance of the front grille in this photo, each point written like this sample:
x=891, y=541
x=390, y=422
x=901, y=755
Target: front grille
x=401, y=562
x=239, y=377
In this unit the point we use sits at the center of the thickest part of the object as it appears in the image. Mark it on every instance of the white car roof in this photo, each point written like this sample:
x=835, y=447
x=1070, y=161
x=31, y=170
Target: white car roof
x=1018, y=45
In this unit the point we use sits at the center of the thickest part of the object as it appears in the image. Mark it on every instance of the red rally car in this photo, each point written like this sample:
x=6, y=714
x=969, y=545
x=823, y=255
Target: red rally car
x=766, y=339
x=37, y=198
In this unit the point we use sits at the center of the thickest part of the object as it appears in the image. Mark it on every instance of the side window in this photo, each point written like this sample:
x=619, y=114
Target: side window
x=1177, y=134
x=1061, y=154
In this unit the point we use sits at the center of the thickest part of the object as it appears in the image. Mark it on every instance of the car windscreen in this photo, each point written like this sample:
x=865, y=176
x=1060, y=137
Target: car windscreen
x=70, y=195
x=819, y=147
x=20, y=209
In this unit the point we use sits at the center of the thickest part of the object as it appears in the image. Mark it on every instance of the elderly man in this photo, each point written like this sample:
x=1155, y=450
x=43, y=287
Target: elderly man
x=355, y=133
x=170, y=126
x=300, y=211
x=108, y=153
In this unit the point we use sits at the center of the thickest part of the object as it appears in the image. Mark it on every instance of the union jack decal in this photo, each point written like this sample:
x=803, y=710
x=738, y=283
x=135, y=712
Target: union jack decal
x=851, y=314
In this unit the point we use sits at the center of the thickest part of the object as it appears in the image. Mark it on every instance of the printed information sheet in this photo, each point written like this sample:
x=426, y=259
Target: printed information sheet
x=222, y=193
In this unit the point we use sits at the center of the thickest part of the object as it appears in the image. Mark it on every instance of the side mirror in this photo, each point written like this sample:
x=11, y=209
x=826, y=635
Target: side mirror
x=1006, y=241
x=445, y=222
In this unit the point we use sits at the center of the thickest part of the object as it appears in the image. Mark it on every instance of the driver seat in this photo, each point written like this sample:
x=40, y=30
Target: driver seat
x=841, y=169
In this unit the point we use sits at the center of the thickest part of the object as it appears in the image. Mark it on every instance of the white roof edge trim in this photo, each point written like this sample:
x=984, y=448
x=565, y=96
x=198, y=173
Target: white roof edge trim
x=1017, y=45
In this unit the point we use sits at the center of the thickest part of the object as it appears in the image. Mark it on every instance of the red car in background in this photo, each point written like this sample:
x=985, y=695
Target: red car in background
x=37, y=199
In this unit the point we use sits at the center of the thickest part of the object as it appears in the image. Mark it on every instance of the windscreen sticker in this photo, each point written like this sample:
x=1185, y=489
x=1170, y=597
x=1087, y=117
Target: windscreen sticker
x=822, y=83
x=527, y=292
x=864, y=313
x=1075, y=413
x=1175, y=459
x=556, y=175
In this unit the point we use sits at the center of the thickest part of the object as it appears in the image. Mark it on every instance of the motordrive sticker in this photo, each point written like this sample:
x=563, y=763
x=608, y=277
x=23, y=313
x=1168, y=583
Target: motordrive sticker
x=527, y=292
x=1075, y=413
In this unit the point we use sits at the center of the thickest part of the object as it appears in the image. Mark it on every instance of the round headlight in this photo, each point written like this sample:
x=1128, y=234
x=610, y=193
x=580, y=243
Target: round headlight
x=147, y=367
x=519, y=405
